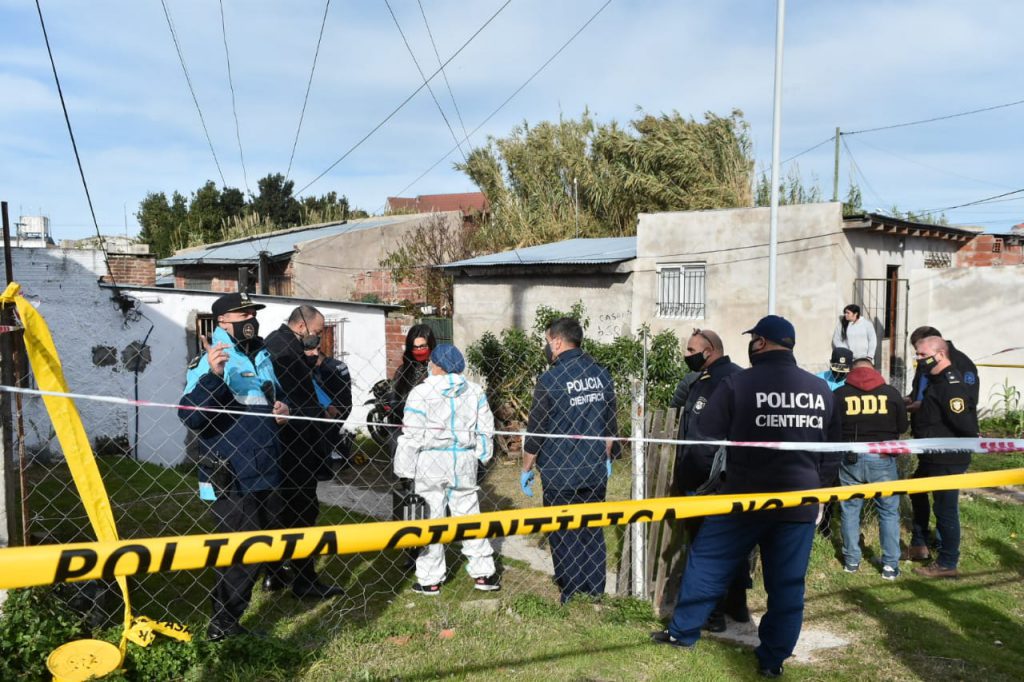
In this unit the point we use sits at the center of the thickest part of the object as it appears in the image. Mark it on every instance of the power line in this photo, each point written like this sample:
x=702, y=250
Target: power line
x=415, y=92
x=930, y=167
x=309, y=85
x=443, y=72
x=234, y=108
x=74, y=145
x=937, y=118
x=425, y=81
x=974, y=203
x=512, y=96
x=188, y=79
x=857, y=169
x=809, y=149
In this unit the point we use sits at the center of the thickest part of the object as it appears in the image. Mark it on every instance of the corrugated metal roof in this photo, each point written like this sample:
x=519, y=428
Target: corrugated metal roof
x=277, y=244
x=598, y=250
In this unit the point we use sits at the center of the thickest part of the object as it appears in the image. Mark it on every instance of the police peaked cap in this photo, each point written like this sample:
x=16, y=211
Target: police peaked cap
x=776, y=329
x=232, y=303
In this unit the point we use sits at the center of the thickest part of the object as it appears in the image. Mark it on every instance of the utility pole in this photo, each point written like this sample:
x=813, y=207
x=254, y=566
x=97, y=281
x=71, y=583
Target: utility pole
x=835, y=169
x=9, y=509
x=576, y=199
x=773, y=226
x=264, y=272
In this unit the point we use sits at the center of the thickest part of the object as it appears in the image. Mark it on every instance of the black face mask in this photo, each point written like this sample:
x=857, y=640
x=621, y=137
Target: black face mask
x=694, y=362
x=548, y=355
x=245, y=331
x=310, y=360
x=750, y=350
x=310, y=341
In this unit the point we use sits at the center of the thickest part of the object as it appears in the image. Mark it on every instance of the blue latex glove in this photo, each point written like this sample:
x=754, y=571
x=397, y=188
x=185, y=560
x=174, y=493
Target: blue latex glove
x=525, y=481
x=608, y=464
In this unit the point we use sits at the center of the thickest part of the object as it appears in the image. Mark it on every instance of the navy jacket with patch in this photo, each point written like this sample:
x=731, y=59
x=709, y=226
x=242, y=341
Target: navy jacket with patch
x=693, y=462
x=575, y=396
x=774, y=400
x=947, y=411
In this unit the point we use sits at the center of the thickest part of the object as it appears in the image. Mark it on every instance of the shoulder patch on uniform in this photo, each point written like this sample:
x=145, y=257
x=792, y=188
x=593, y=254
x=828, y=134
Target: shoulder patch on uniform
x=970, y=378
x=957, y=405
x=195, y=362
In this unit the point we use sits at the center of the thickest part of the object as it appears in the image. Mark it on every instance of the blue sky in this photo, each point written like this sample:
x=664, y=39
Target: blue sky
x=852, y=64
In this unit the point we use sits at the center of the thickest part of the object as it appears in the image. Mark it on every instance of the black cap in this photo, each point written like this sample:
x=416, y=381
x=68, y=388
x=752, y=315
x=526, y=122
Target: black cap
x=230, y=303
x=776, y=329
x=842, y=360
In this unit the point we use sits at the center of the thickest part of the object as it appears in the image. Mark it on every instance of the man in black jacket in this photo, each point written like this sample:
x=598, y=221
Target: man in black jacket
x=774, y=400
x=695, y=470
x=961, y=363
x=294, y=349
x=948, y=410
x=872, y=411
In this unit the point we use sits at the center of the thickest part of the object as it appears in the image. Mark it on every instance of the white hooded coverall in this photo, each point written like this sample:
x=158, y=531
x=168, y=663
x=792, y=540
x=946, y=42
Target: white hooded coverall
x=447, y=429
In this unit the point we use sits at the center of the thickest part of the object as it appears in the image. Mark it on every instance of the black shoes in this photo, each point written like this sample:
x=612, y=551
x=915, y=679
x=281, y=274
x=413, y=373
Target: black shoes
x=217, y=632
x=715, y=622
x=765, y=671
x=663, y=637
x=273, y=582
x=317, y=590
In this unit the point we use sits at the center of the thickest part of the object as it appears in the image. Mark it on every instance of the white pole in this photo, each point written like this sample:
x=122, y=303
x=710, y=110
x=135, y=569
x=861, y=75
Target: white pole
x=773, y=232
x=639, y=530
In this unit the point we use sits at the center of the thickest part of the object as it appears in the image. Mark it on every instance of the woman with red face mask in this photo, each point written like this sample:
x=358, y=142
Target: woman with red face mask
x=419, y=343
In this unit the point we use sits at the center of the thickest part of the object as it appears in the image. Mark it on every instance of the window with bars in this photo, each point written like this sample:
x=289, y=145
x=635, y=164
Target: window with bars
x=681, y=291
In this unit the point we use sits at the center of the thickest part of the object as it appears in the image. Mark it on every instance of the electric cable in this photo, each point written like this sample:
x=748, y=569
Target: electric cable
x=195, y=100
x=444, y=73
x=408, y=99
x=309, y=85
x=234, y=107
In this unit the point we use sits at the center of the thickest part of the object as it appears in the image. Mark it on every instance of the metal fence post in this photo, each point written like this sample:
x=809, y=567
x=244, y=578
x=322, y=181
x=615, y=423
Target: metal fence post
x=638, y=418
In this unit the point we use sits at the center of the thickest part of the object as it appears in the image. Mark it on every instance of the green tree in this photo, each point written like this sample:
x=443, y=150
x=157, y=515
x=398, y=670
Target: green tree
x=537, y=176
x=791, y=190
x=161, y=221
x=275, y=201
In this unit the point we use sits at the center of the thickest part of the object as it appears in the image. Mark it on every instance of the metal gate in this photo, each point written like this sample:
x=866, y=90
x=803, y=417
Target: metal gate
x=884, y=302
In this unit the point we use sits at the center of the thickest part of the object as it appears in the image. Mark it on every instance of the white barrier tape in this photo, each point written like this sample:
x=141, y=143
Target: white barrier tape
x=917, y=446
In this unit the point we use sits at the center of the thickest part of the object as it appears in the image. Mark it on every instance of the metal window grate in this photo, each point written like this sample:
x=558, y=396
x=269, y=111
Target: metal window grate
x=681, y=291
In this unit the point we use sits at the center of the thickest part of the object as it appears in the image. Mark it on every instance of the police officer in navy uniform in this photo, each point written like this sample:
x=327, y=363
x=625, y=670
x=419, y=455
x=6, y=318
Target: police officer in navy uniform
x=695, y=471
x=948, y=410
x=574, y=397
x=238, y=454
x=961, y=363
x=774, y=400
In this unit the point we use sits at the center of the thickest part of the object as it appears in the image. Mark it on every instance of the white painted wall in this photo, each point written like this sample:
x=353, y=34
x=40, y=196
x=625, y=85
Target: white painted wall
x=63, y=285
x=980, y=310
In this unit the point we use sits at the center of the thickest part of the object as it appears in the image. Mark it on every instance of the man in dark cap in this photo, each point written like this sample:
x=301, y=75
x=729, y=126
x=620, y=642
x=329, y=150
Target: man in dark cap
x=774, y=400
x=238, y=454
x=295, y=349
x=839, y=366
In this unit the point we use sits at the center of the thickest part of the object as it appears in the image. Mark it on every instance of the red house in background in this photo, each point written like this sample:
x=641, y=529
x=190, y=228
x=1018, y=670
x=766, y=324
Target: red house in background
x=472, y=204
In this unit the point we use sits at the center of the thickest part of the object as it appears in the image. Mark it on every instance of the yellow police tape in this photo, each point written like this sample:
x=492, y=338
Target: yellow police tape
x=67, y=423
x=45, y=564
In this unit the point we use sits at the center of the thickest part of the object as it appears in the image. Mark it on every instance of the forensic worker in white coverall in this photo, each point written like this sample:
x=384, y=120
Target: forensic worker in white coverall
x=447, y=432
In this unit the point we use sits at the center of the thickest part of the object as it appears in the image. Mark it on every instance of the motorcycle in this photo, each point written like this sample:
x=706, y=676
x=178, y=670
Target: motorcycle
x=383, y=413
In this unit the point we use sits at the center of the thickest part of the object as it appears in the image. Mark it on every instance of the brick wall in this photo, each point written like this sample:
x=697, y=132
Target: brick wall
x=987, y=250
x=221, y=279
x=136, y=269
x=396, y=326
x=380, y=284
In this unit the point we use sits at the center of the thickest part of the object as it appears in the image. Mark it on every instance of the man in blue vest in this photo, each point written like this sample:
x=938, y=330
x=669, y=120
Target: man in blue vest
x=774, y=400
x=238, y=454
x=575, y=397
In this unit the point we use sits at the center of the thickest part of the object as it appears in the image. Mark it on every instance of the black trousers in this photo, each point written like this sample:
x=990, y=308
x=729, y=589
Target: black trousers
x=295, y=505
x=232, y=588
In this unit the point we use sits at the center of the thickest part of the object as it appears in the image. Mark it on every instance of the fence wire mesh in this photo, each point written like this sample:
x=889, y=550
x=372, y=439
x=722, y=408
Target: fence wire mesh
x=344, y=472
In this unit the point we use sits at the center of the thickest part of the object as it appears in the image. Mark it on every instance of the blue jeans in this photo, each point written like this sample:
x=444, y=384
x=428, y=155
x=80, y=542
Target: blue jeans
x=871, y=469
x=947, y=514
x=723, y=543
x=579, y=556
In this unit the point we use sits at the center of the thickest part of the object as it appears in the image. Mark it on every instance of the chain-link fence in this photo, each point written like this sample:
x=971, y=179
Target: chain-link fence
x=344, y=472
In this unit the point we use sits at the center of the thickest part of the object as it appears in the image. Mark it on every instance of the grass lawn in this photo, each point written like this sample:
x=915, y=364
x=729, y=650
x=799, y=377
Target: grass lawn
x=971, y=628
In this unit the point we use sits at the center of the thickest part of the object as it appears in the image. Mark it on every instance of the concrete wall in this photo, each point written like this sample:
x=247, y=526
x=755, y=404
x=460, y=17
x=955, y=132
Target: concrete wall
x=498, y=302
x=329, y=268
x=63, y=285
x=978, y=309
x=733, y=245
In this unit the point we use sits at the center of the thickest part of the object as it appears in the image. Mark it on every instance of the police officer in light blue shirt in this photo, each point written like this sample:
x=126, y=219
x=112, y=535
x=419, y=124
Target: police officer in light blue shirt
x=238, y=454
x=574, y=397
